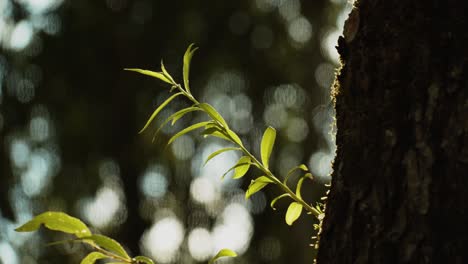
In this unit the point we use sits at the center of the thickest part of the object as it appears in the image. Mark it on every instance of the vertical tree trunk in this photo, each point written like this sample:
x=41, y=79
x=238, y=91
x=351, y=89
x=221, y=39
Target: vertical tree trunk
x=399, y=190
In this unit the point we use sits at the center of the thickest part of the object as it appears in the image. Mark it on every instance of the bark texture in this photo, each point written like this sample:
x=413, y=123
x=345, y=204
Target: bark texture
x=399, y=189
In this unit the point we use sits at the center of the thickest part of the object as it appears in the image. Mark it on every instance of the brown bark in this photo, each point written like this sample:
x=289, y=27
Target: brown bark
x=399, y=189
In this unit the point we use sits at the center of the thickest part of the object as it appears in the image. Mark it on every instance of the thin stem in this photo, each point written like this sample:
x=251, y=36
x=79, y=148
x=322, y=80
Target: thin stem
x=110, y=254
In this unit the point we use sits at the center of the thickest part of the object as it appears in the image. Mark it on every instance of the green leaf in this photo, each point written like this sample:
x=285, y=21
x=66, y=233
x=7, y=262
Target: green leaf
x=219, y=151
x=213, y=114
x=241, y=167
x=186, y=130
x=268, y=141
x=299, y=186
x=143, y=260
x=223, y=253
x=92, y=257
x=256, y=185
x=235, y=137
x=158, y=75
x=108, y=244
x=174, y=117
x=273, y=202
x=166, y=74
x=293, y=213
x=291, y=171
x=156, y=112
x=57, y=221
x=216, y=132
x=186, y=68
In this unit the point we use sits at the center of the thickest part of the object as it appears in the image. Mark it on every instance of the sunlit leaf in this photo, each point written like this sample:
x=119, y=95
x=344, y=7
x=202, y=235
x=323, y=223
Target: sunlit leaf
x=234, y=137
x=268, y=140
x=223, y=253
x=158, y=75
x=273, y=202
x=293, y=213
x=108, y=244
x=216, y=132
x=291, y=171
x=174, y=117
x=213, y=114
x=241, y=167
x=92, y=257
x=186, y=130
x=256, y=185
x=299, y=187
x=186, y=68
x=156, y=112
x=57, y=221
x=166, y=74
x=143, y=260
x=219, y=151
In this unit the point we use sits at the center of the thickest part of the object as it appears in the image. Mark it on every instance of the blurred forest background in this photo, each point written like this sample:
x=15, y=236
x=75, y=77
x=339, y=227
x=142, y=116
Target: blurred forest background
x=70, y=116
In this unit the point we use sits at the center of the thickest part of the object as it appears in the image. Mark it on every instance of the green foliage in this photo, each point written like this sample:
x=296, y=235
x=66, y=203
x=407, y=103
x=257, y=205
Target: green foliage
x=107, y=248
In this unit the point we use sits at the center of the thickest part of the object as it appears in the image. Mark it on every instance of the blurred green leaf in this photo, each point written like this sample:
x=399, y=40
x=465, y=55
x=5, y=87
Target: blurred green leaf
x=291, y=171
x=158, y=75
x=223, y=253
x=268, y=140
x=219, y=151
x=256, y=185
x=186, y=130
x=213, y=114
x=143, y=260
x=156, y=112
x=92, y=257
x=273, y=202
x=186, y=68
x=166, y=74
x=108, y=244
x=293, y=213
x=57, y=221
x=241, y=167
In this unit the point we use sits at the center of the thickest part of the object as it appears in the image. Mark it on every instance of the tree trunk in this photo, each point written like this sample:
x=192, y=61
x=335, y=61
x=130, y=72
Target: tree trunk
x=399, y=190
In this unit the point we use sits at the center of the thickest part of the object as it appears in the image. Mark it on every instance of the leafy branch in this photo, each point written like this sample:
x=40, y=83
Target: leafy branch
x=218, y=127
x=103, y=247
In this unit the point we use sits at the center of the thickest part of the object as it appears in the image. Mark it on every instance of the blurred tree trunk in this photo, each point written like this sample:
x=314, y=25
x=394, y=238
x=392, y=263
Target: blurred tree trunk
x=399, y=190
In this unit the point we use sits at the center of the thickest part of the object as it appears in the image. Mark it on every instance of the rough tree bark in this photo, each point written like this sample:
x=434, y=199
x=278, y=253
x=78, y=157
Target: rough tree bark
x=399, y=190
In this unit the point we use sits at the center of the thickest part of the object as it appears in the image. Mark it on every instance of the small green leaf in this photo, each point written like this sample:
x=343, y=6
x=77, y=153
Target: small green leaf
x=186, y=130
x=299, y=186
x=273, y=202
x=256, y=185
x=108, y=244
x=216, y=132
x=92, y=257
x=156, y=112
x=143, y=260
x=291, y=171
x=57, y=221
x=186, y=68
x=166, y=74
x=293, y=213
x=223, y=253
x=158, y=75
x=241, y=167
x=268, y=140
x=219, y=151
x=213, y=114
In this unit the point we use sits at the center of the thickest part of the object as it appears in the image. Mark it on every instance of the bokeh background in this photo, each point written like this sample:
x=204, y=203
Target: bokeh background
x=70, y=116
